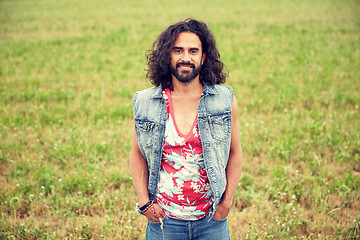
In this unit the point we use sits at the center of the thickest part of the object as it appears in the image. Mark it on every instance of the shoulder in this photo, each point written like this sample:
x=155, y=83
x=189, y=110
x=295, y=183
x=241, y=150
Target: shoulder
x=148, y=100
x=147, y=93
x=225, y=92
x=219, y=98
x=223, y=89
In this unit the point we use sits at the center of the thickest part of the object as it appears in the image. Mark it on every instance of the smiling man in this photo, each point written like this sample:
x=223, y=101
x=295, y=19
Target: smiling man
x=186, y=156
x=181, y=67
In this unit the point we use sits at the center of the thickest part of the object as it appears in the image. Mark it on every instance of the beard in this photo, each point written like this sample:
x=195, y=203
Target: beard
x=185, y=76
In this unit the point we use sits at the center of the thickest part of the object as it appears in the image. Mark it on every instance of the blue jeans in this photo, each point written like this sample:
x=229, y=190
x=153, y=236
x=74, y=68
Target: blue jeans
x=174, y=229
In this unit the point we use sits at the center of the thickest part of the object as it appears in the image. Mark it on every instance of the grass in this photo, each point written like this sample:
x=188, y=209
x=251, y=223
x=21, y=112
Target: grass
x=68, y=70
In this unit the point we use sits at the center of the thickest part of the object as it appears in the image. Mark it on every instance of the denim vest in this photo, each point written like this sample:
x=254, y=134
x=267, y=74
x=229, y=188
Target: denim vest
x=214, y=122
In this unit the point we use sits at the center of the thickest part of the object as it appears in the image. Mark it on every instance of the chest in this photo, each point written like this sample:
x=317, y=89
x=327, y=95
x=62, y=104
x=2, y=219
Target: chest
x=185, y=112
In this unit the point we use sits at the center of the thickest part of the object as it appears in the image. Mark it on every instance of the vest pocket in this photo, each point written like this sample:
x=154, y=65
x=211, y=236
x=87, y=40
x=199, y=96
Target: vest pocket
x=145, y=132
x=220, y=126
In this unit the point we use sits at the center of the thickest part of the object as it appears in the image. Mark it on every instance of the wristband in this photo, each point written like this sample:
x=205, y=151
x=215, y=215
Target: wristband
x=147, y=208
x=146, y=205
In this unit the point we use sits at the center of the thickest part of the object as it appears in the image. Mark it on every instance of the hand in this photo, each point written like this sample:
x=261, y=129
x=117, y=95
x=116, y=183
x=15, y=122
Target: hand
x=158, y=211
x=222, y=211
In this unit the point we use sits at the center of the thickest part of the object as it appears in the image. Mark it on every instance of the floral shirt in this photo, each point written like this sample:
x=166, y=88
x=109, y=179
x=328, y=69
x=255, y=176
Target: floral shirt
x=184, y=190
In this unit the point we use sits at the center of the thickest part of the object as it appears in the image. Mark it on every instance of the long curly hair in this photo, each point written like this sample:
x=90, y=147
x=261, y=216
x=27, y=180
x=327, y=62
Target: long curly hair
x=158, y=58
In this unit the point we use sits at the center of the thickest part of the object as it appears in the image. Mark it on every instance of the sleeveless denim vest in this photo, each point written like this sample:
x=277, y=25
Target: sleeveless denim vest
x=214, y=122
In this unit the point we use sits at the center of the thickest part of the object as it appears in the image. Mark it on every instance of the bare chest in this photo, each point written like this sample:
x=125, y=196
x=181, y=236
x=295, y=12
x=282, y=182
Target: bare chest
x=185, y=112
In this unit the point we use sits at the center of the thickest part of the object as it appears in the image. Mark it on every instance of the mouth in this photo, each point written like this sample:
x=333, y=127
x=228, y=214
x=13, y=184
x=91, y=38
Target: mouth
x=185, y=66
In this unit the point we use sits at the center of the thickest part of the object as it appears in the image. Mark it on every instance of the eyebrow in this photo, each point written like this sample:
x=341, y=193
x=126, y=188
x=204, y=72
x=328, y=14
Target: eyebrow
x=180, y=48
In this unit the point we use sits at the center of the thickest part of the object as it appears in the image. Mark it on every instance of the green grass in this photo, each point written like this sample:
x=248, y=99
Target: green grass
x=68, y=70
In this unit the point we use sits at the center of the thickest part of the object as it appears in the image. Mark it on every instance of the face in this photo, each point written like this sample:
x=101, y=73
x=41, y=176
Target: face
x=186, y=57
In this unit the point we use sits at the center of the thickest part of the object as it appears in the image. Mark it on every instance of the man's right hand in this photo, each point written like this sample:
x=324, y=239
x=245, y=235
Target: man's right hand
x=154, y=217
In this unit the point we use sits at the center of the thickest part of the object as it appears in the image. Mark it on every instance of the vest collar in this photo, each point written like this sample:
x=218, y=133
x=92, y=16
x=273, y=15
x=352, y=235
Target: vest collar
x=157, y=93
x=208, y=90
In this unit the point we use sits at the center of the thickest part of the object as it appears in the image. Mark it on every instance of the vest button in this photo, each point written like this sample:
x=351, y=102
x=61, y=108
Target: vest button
x=156, y=151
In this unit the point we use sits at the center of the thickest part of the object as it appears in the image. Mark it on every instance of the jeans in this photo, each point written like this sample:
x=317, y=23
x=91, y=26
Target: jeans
x=206, y=228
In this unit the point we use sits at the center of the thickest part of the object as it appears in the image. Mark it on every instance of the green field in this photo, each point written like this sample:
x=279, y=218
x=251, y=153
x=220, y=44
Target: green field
x=68, y=70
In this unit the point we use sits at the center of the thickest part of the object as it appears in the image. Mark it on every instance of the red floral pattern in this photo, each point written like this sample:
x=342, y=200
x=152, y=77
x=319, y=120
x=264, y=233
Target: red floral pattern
x=184, y=190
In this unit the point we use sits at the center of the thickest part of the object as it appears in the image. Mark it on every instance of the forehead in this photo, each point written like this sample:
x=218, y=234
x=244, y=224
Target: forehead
x=188, y=40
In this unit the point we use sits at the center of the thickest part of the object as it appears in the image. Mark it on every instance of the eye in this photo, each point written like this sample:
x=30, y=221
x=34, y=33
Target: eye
x=177, y=51
x=194, y=51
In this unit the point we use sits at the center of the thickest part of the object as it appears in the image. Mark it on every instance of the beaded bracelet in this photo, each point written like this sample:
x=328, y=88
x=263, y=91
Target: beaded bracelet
x=153, y=210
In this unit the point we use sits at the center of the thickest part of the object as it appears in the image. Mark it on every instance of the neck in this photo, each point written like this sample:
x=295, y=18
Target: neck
x=194, y=87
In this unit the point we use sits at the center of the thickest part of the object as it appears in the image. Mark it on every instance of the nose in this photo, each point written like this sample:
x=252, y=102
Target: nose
x=186, y=56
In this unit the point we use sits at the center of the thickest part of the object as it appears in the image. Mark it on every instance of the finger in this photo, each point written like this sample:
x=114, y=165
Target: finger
x=159, y=211
x=161, y=214
x=151, y=216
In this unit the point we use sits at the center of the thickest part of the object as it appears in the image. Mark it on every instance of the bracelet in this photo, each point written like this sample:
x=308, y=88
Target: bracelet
x=147, y=208
x=153, y=210
x=149, y=203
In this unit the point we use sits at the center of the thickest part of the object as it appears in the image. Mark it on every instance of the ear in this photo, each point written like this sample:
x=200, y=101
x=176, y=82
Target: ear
x=203, y=58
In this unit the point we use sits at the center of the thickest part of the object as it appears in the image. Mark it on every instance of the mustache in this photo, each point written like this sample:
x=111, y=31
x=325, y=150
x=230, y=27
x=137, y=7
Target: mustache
x=186, y=64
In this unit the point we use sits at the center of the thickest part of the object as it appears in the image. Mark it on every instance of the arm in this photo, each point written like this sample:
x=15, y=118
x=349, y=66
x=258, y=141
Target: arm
x=139, y=172
x=139, y=176
x=233, y=169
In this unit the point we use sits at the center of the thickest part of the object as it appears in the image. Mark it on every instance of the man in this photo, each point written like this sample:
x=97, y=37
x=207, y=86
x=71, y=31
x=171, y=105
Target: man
x=186, y=156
